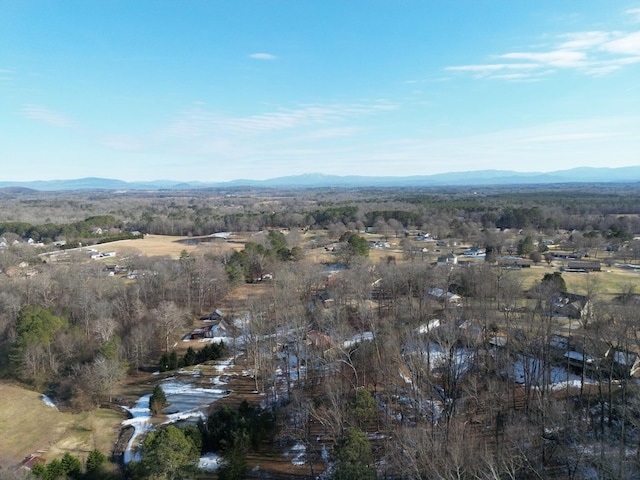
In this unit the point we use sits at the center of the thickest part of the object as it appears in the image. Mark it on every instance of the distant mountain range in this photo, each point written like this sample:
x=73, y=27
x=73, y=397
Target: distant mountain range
x=318, y=180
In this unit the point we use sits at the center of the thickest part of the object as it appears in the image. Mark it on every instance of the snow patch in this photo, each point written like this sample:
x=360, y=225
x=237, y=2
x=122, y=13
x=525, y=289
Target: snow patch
x=359, y=338
x=186, y=402
x=210, y=462
x=298, y=451
x=49, y=402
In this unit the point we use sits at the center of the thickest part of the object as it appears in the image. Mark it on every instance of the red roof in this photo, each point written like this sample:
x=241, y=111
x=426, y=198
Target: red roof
x=31, y=461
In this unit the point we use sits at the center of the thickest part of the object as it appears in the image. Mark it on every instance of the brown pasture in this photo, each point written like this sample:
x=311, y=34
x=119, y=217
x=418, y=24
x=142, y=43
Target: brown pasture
x=29, y=426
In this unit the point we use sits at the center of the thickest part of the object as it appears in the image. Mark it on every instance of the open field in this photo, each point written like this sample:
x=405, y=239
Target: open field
x=165, y=245
x=609, y=282
x=30, y=426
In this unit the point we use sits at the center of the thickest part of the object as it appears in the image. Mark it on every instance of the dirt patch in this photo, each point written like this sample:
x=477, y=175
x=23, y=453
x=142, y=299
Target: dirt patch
x=121, y=444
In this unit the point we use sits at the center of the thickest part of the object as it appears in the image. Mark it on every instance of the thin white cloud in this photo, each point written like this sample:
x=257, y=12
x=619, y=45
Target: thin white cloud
x=626, y=45
x=46, y=116
x=634, y=12
x=500, y=70
x=594, y=53
x=556, y=58
x=262, y=56
x=492, y=67
x=585, y=40
x=513, y=76
x=198, y=122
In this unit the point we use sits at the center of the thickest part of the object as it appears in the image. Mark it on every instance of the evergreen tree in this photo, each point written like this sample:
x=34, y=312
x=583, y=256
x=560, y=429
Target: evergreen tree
x=353, y=457
x=72, y=465
x=362, y=407
x=168, y=454
x=158, y=400
x=189, y=358
x=95, y=463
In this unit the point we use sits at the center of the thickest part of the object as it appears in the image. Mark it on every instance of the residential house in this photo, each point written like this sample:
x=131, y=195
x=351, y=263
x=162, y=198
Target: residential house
x=570, y=305
x=321, y=298
x=214, y=316
x=474, y=252
x=438, y=294
x=578, y=360
x=623, y=364
x=30, y=462
x=582, y=266
x=213, y=330
x=318, y=340
x=508, y=261
x=450, y=259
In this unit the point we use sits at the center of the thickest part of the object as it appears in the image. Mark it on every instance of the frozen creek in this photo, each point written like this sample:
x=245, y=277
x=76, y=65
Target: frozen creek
x=187, y=401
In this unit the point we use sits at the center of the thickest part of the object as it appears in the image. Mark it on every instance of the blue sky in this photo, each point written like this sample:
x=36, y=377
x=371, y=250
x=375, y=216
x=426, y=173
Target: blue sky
x=218, y=90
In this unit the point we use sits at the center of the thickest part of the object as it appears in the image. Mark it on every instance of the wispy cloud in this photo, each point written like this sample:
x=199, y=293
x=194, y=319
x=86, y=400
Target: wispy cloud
x=196, y=122
x=585, y=40
x=498, y=70
x=262, y=56
x=6, y=73
x=556, y=58
x=634, y=12
x=46, y=116
x=492, y=67
x=198, y=131
x=625, y=45
x=594, y=53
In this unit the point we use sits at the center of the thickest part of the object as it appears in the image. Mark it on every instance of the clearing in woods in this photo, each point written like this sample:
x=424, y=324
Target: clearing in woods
x=30, y=426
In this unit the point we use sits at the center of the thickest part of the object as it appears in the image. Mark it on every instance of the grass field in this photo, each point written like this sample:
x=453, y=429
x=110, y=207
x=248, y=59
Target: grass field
x=164, y=245
x=29, y=426
x=608, y=283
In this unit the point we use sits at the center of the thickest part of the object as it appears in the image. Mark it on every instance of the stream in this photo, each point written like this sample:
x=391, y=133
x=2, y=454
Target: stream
x=186, y=401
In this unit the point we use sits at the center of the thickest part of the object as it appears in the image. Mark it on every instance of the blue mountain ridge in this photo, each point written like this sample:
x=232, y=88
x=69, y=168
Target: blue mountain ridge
x=318, y=180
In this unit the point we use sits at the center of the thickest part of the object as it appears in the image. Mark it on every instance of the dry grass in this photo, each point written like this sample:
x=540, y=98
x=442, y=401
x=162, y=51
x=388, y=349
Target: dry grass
x=30, y=426
x=165, y=245
x=608, y=283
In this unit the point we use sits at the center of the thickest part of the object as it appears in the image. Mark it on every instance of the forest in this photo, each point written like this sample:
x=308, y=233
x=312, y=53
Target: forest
x=449, y=333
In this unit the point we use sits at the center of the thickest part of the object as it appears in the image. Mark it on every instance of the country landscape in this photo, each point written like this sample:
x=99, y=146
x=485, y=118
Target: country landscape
x=319, y=240
x=454, y=332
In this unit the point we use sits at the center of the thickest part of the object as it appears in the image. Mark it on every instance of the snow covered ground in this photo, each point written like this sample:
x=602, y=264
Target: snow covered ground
x=359, y=338
x=140, y=416
x=186, y=401
x=209, y=462
x=529, y=370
